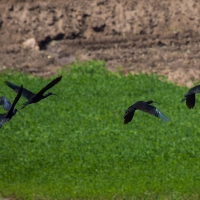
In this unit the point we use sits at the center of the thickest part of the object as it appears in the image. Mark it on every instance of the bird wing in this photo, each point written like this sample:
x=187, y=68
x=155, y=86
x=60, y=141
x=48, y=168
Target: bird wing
x=158, y=114
x=151, y=110
x=10, y=112
x=48, y=86
x=195, y=89
x=5, y=103
x=2, y=119
x=25, y=93
x=128, y=116
x=129, y=110
x=2, y=116
x=190, y=101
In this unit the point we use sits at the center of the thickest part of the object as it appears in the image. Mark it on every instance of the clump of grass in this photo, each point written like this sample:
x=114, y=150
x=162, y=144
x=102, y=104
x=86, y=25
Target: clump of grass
x=77, y=147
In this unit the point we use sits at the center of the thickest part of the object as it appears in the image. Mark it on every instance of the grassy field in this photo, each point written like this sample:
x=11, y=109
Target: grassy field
x=76, y=146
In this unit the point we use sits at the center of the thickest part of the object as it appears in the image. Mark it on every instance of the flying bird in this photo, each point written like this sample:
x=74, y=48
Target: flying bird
x=189, y=97
x=10, y=108
x=5, y=103
x=32, y=97
x=145, y=107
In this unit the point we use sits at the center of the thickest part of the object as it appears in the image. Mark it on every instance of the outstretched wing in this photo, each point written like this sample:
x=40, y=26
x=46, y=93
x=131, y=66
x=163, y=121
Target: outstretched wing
x=10, y=112
x=195, y=89
x=50, y=85
x=2, y=119
x=25, y=93
x=158, y=114
x=190, y=101
x=151, y=110
x=128, y=116
x=5, y=103
x=2, y=116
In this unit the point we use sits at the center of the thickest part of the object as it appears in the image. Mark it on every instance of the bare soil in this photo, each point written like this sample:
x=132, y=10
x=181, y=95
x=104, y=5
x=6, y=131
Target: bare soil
x=147, y=36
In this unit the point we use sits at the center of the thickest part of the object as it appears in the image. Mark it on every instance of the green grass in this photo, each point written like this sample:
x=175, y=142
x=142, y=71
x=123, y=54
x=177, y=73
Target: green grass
x=77, y=147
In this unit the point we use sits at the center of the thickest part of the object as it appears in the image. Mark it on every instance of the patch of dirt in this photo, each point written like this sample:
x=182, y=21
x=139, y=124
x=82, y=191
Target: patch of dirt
x=148, y=36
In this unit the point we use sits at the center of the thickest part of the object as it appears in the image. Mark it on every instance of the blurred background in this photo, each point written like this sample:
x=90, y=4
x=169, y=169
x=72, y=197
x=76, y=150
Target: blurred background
x=149, y=36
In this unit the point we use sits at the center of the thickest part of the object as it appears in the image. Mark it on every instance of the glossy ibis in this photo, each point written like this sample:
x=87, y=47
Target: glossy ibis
x=8, y=107
x=5, y=103
x=145, y=107
x=189, y=97
x=32, y=97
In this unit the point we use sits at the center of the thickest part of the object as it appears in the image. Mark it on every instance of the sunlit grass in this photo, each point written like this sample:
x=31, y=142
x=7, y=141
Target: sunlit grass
x=76, y=146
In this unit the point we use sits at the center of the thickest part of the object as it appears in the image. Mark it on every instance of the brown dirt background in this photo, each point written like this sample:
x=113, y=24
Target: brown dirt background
x=148, y=36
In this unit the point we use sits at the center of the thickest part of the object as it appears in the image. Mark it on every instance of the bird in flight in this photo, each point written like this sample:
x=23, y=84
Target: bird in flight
x=11, y=111
x=145, y=107
x=189, y=97
x=34, y=97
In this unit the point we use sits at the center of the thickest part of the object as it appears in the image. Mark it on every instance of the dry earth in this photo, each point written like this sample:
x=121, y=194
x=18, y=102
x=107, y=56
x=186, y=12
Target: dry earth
x=149, y=36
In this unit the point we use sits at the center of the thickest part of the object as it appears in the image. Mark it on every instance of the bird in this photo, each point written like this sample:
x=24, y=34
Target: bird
x=10, y=108
x=145, y=107
x=5, y=103
x=34, y=97
x=189, y=97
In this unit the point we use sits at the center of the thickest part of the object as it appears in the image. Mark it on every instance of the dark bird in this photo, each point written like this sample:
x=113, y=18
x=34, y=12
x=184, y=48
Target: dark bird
x=5, y=103
x=145, y=107
x=11, y=111
x=34, y=98
x=189, y=97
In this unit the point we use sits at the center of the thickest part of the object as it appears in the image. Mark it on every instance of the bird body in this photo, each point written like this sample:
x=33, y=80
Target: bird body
x=32, y=97
x=145, y=107
x=189, y=97
x=11, y=111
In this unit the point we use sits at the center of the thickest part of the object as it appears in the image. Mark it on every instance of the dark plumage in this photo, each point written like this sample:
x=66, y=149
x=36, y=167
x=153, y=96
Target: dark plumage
x=145, y=107
x=8, y=107
x=32, y=97
x=189, y=97
x=5, y=103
